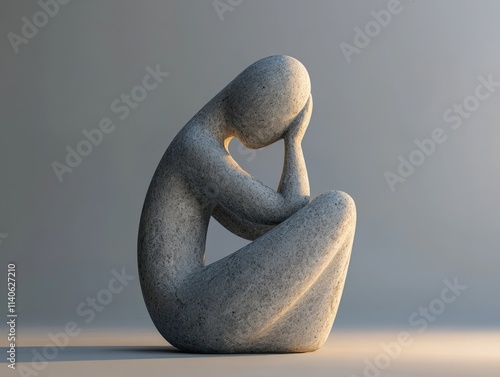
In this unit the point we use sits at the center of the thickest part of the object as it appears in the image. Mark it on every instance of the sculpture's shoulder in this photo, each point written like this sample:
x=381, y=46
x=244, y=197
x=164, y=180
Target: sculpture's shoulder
x=193, y=146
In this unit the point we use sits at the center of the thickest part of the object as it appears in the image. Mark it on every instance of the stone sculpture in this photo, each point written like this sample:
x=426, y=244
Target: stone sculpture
x=279, y=293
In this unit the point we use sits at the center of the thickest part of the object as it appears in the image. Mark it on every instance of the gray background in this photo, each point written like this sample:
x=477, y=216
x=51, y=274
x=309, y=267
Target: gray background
x=439, y=224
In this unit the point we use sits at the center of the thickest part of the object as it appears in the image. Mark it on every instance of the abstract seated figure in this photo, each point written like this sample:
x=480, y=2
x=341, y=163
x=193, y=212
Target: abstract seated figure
x=280, y=293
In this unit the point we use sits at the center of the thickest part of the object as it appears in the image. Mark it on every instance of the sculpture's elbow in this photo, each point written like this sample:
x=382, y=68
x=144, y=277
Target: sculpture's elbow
x=300, y=203
x=286, y=210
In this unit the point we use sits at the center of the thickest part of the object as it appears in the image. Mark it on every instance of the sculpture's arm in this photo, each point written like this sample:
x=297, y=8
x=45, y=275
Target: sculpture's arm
x=245, y=199
x=294, y=180
x=242, y=228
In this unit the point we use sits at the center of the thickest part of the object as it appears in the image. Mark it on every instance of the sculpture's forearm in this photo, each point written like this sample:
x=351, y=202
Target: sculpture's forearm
x=241, y=227
x=294, y=184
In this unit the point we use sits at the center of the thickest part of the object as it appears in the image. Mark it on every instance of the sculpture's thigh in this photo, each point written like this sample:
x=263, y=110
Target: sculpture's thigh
x=284, y=283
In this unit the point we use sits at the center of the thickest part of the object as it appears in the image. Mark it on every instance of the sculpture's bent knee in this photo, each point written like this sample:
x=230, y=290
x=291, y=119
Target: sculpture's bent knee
x=339, y=199
x=335, y=211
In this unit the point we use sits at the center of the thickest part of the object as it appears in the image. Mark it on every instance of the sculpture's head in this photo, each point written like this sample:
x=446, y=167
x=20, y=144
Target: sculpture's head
x=263, y=100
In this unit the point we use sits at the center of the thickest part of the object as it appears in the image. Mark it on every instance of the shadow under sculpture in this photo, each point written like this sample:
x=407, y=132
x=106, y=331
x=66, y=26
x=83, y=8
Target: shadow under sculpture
x=279, y=293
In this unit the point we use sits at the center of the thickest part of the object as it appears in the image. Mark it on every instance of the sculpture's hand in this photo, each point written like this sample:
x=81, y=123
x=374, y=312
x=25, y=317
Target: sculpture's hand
x=299, y=125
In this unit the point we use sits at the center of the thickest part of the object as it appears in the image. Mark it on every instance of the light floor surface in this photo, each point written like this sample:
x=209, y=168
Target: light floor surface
x=346, y=354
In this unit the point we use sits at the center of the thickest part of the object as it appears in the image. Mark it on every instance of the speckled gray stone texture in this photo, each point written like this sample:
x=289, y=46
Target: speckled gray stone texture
x=280, y=293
